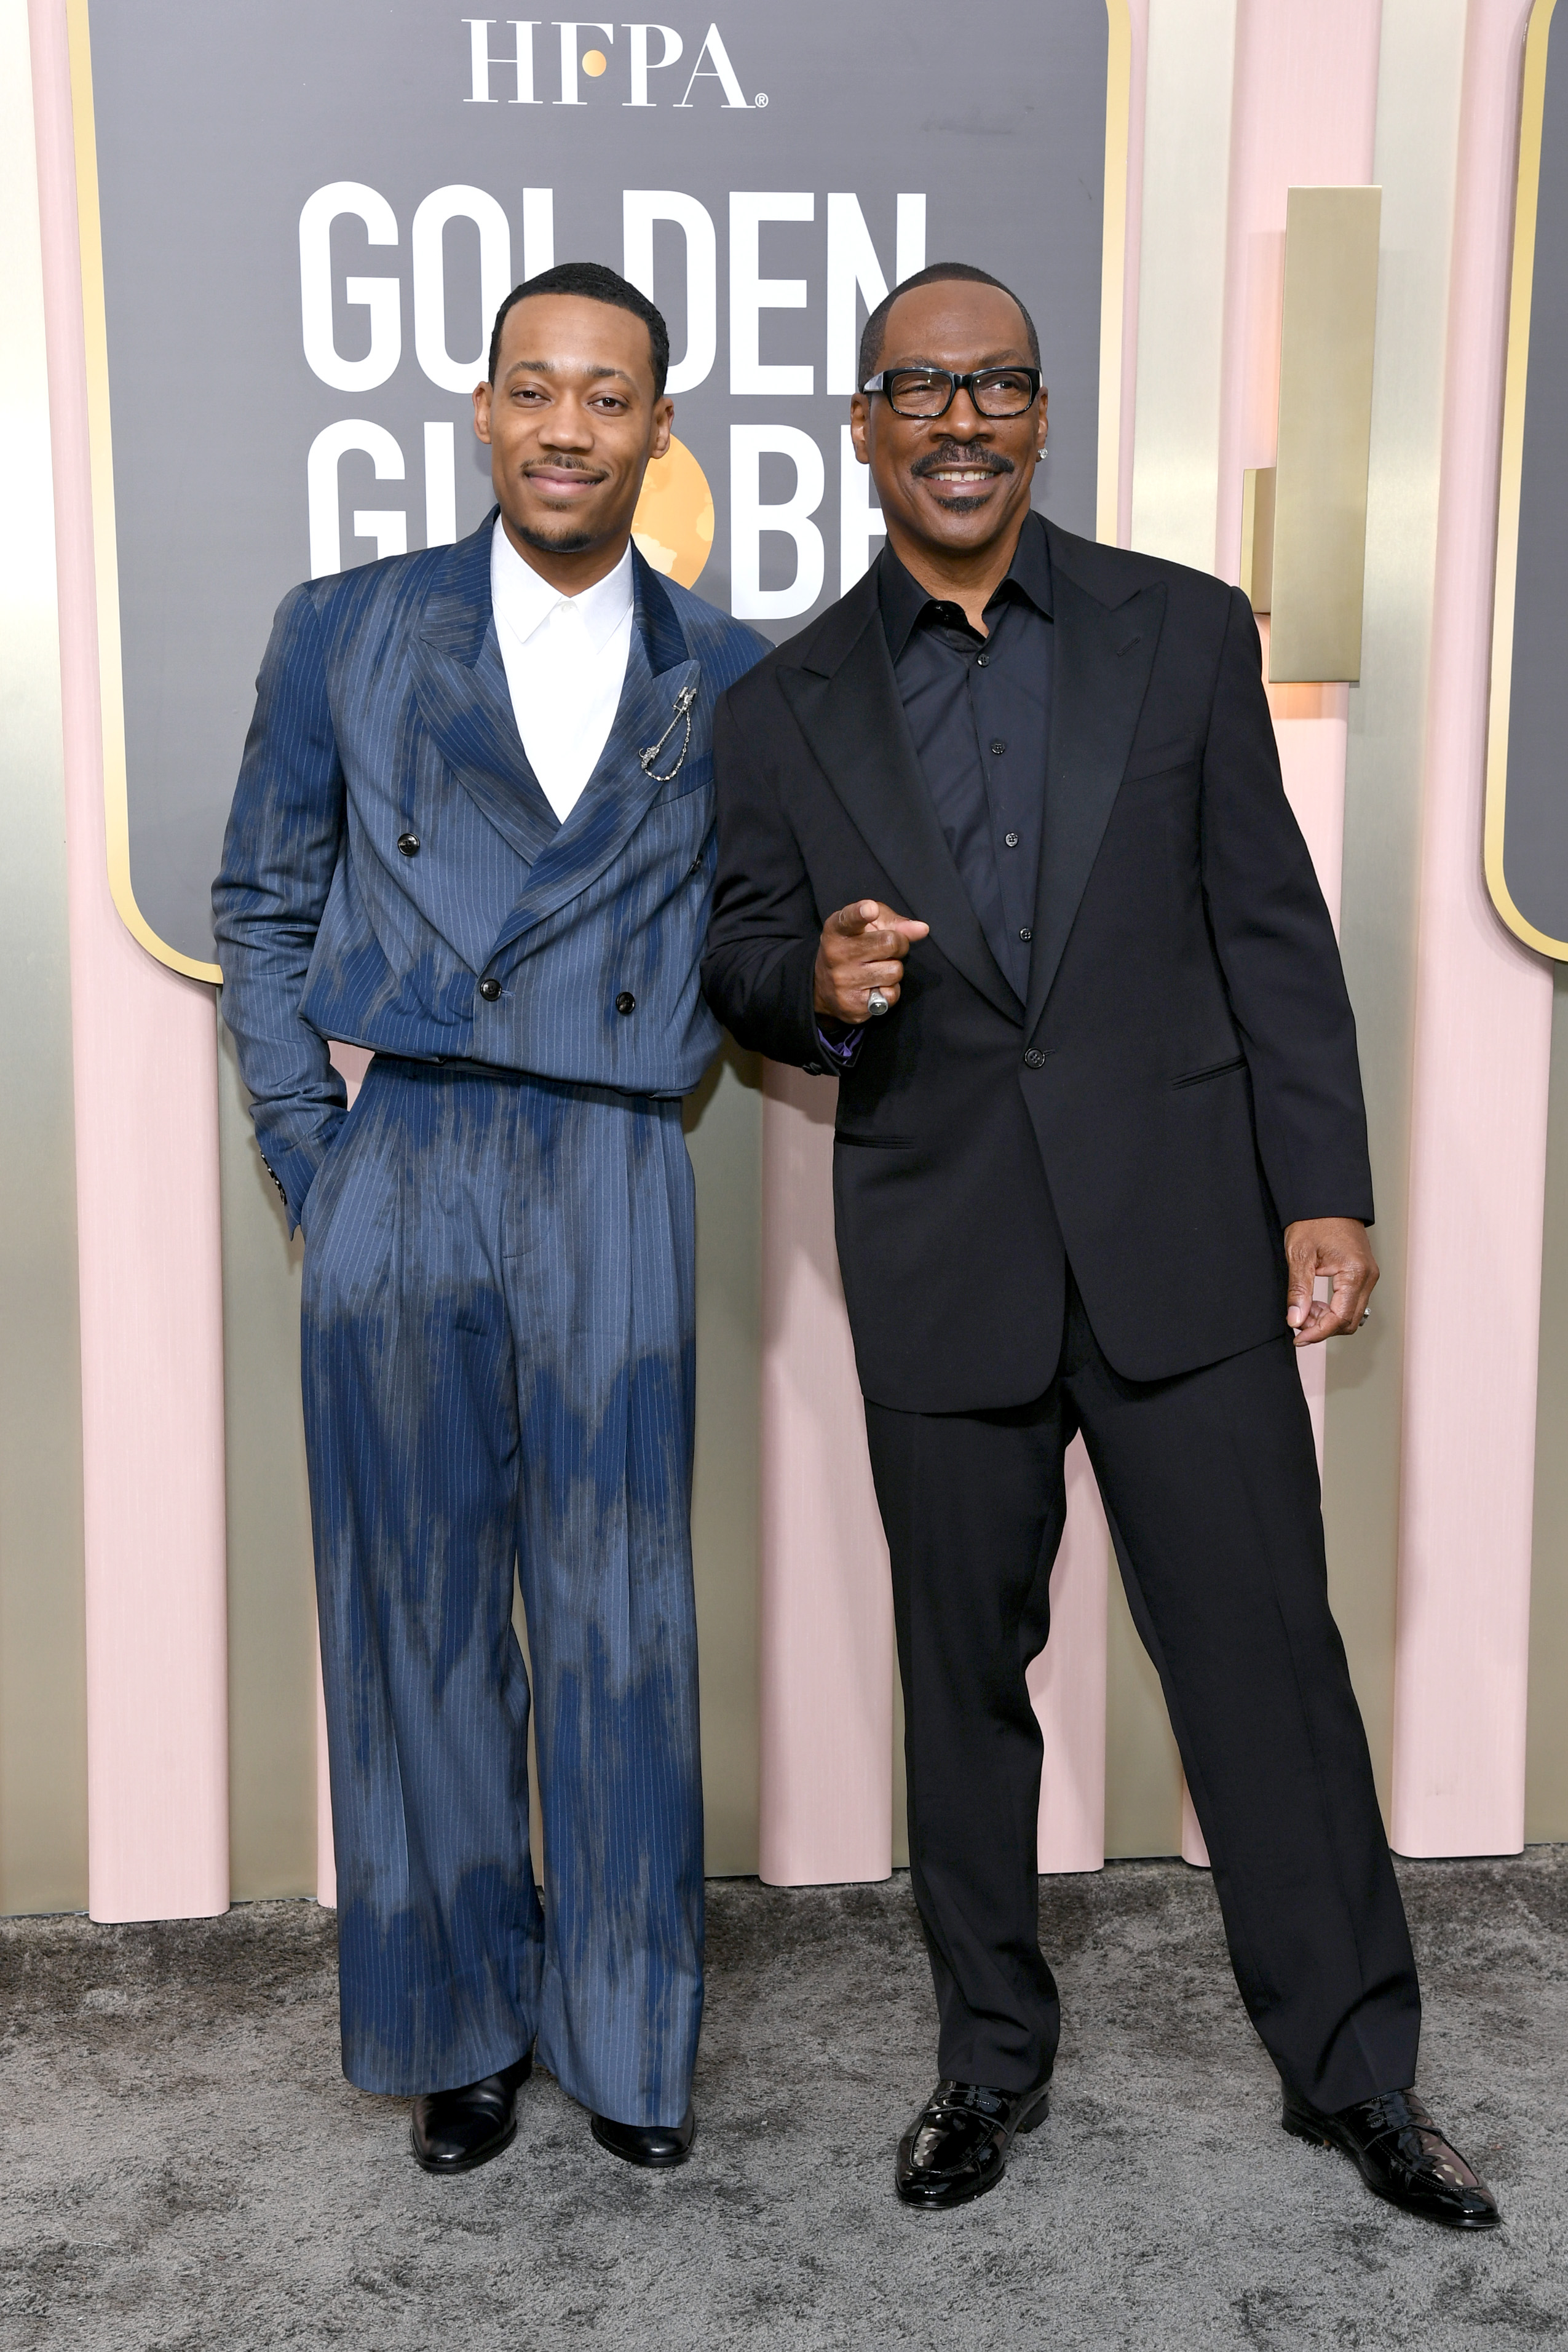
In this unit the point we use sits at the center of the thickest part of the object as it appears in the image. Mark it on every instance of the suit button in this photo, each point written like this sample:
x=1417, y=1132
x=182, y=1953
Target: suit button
x=1012, y=840
x=408, y=843
x=490, y=990
x=1026, y=936
x=625, y=1002
x=997, y=746
x=1034, y=1059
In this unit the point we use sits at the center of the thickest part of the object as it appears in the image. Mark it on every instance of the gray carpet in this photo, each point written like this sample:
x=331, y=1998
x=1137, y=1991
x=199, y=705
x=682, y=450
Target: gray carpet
x=184, y=2165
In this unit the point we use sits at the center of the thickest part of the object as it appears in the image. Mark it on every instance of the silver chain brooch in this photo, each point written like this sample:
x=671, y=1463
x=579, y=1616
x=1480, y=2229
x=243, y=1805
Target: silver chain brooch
x=683, y=702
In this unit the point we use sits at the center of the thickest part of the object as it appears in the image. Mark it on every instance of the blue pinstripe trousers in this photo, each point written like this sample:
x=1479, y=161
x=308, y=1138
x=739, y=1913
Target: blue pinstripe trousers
x=497, y=1361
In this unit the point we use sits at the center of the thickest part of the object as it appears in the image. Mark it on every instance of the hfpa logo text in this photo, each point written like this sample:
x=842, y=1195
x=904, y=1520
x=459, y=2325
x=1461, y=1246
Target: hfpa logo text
x=712, y=64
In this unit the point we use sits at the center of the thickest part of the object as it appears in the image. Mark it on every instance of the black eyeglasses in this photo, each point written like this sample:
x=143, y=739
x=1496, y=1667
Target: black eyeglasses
x=930, y=392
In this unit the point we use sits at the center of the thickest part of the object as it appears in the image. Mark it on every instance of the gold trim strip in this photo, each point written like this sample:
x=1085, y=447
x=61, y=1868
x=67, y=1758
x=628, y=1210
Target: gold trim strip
x=1521, y=292
x=105, y=547
x=1113, y=266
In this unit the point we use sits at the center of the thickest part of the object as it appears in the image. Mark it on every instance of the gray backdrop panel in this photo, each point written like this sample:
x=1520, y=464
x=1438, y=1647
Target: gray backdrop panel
x=215, y=126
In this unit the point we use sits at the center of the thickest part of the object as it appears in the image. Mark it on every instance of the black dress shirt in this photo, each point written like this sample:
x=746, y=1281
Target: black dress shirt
x=979, y=709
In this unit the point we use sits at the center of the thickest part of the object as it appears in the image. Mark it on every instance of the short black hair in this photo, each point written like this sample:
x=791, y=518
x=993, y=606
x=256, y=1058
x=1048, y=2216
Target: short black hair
x=595, y=284
x=876, y=324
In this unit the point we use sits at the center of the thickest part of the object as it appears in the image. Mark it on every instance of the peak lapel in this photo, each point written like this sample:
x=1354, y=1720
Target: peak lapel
x=1103, y=657
x=845, y=701
x=460, y=687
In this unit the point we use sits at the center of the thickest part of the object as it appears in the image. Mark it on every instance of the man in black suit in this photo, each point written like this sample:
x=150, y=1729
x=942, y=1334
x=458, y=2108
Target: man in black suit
x=1100, y=1135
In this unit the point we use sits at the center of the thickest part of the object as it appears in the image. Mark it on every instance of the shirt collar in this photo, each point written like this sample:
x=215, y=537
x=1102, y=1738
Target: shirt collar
x=524, y=601
x=905, y=603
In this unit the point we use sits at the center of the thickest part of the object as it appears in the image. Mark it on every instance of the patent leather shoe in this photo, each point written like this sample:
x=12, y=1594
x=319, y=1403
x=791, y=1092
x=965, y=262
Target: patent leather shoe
x=656, y=2147
x=958, y=2145
x=452, y=2131
x=1401, y=2155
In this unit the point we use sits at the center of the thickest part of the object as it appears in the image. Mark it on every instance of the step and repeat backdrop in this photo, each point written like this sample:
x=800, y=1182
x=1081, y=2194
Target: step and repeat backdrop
x=308, y=217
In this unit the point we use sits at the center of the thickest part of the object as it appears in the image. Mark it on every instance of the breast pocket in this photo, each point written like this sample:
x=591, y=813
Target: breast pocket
x=695, y=774
x=1160, y=760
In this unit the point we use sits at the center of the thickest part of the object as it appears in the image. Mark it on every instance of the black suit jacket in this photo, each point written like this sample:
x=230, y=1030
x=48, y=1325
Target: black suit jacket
x=1182, y=1081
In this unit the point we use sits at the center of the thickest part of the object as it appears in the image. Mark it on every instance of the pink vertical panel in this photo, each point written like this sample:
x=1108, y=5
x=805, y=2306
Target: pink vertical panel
x=1305, y=115
x=826, y=1622
x=1067, y=1684
x=326, y=1852
x=1138, y=84
x=351, y=1062
x=827, y=1612
x=147, y=1217
x=1483, y=1016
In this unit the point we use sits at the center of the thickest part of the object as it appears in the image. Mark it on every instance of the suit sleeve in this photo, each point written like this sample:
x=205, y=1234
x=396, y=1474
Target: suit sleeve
x=1278, y=955
x=757, y=973
x=279, y=855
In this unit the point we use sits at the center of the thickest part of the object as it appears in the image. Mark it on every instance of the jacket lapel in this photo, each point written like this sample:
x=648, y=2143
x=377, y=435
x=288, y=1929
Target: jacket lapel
x=459, y=684
x=1104, y=655
x=845, y=701
x=621, y=790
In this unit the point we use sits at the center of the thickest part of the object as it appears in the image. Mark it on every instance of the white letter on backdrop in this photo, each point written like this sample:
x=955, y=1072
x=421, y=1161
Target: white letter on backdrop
x=381, y=296
x=387, y=526
x=719, y=71
x=641, y=62
x=859, y=522
x=569, y=58
x=852, y=262
x=750, y=295
x=538, y=232
x=749, y=599
x=523, y=63
x=640, y=208
x=457, y=203
x=440, y=486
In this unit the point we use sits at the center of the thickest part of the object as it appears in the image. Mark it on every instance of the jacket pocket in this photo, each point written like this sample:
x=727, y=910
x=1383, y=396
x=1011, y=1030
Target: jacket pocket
x=1211, y=1070
x=1161, y=759
x=877, y=1142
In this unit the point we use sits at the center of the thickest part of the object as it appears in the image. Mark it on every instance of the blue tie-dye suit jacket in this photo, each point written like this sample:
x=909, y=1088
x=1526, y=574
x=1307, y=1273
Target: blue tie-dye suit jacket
x=494, y=933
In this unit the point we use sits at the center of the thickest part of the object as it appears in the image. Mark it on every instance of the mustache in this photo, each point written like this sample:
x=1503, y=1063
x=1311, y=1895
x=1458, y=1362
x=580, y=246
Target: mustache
x=955, y=453
x=564, y=466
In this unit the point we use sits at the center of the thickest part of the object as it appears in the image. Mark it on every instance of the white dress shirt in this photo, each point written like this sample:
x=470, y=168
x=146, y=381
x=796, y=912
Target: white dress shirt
x=565, y=661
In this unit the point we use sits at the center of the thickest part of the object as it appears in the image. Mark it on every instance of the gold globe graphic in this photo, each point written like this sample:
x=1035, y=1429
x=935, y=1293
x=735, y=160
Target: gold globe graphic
x=673, y=525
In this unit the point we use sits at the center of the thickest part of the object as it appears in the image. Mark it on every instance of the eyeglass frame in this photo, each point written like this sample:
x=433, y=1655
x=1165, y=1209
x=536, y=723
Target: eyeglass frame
x=877, y=383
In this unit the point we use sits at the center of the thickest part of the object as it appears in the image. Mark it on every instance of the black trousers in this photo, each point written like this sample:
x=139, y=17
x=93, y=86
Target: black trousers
x=1211, y=1486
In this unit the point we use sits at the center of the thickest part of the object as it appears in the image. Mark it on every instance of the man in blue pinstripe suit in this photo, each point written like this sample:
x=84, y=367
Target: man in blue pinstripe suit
x=474, y=831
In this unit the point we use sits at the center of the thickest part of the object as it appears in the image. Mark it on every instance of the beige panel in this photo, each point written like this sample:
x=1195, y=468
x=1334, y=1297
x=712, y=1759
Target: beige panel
x=272, y=1597
x=1257, y=536
x=1142, y=1769
x=1546, y=1765
x=1417, y=135
x=43, y=1742
x=724, y=1136
x=1325, y=426
x=1180, y=309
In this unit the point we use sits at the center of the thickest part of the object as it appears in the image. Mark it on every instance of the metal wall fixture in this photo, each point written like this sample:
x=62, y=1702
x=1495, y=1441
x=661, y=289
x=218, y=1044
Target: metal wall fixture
x=1303, y=532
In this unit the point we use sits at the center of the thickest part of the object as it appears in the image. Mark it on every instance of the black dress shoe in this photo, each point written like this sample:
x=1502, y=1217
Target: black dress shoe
x=957, y=2146
x=451, y=2131
x=1401, y=2155
x=655, y=2146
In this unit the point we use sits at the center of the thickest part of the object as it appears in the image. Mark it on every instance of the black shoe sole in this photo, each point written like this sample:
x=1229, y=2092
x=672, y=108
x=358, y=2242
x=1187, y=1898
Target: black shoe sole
x=644, y=2163
x=1316, y=2137
x=441, y=2167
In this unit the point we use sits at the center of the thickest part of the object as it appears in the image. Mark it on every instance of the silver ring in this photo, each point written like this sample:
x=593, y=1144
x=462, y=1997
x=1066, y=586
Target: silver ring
x=876, y=1004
